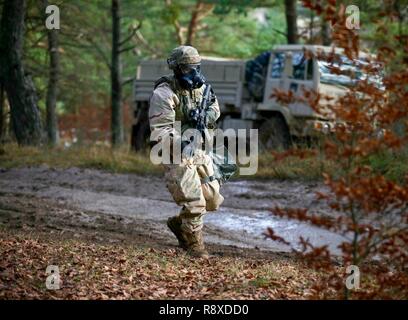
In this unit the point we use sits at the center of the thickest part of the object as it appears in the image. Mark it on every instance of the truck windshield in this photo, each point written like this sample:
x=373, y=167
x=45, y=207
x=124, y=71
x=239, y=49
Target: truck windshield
x=350, y=72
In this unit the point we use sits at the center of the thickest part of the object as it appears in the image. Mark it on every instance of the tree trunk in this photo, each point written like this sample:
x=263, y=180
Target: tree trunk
x=20, y=89
x=311, y=27
x=325, y=32
x=141, y=129
x=116, y=85
x=200, y=11
x=291, y=21
x=192, y=28
x=2, y=117
x=52, y=90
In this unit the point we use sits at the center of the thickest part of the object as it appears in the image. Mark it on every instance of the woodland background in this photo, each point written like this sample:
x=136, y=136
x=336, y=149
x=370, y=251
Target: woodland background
x=65, y=100
x=84, y=71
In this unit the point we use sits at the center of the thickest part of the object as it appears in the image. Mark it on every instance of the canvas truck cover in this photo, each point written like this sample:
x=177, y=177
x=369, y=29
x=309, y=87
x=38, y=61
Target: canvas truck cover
x=226, y=76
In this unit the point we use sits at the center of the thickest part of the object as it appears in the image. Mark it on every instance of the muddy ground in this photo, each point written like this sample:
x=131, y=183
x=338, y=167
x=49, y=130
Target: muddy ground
x=126, y=207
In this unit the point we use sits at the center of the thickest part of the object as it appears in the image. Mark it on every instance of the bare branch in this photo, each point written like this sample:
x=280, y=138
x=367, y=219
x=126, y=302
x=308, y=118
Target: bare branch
x=100, y=51
x=279, y=32
x=178, y=28
x=127, y=49
x=200, y=11
x=131, y=35
x=143, y=41
x=127, y=80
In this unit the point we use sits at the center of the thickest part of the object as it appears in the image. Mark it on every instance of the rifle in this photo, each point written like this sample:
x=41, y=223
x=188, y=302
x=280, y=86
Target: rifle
x=201, y=124
x=199, y=115
x=223, y=169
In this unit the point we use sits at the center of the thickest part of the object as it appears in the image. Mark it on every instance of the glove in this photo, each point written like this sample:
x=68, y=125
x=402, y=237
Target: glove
x=194, y=116
x=210, y=119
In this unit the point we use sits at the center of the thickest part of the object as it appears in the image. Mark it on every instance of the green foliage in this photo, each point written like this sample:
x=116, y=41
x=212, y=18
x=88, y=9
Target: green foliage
x=393, y=165
x=230, y=31
x=233, y=29
x=242, y=36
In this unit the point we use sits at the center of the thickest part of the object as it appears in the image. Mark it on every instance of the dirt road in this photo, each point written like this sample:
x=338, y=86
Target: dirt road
x=100, y=201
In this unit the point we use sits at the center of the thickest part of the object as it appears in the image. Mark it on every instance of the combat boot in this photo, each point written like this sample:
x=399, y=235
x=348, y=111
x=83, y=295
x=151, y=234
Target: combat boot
x=195, y=244
x=174, y=224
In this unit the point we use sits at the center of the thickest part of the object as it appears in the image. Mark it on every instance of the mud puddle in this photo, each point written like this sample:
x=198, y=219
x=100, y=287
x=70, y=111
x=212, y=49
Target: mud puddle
x=241, y=222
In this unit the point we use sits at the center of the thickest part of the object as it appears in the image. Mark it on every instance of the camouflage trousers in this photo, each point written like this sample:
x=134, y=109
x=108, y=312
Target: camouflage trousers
x=190, y=187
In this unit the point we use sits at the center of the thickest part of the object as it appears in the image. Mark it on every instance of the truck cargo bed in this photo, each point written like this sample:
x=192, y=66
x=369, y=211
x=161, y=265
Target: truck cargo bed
x=225, y=76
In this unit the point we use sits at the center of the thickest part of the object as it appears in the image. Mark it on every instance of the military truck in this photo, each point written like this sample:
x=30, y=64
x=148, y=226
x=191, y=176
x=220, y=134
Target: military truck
x=244, y=91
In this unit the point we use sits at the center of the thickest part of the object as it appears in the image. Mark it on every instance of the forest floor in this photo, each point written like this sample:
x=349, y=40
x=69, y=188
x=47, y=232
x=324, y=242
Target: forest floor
x=107, y=234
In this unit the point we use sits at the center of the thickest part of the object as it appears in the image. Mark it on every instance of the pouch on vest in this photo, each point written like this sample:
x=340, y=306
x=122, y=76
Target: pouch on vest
x=224, y=164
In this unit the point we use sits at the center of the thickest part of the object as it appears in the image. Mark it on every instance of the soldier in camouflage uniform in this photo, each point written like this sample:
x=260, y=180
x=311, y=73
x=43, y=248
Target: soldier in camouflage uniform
x=191, y=182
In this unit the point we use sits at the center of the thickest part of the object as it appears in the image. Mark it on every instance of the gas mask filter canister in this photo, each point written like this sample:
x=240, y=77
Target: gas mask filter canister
x=190, y=76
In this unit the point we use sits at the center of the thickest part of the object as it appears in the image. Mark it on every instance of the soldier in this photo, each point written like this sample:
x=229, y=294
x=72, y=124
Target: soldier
x=191, y=183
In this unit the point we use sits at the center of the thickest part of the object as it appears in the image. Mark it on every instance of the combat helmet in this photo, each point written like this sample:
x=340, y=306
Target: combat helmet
x=183, y=55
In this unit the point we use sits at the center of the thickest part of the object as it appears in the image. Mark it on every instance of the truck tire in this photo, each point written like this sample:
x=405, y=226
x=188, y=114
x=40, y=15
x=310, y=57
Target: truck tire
x=274, y=135
x=140, y=136
x=141, y=130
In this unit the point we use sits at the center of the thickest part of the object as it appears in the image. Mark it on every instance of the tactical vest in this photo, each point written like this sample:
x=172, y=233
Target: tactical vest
x=223, y=170
x=188, y=99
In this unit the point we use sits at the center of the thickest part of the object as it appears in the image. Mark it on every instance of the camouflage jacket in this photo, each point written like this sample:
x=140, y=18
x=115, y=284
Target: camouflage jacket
x=170, y=103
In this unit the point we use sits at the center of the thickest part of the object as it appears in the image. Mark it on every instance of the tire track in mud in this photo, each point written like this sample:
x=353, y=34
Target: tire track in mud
x=240, y=222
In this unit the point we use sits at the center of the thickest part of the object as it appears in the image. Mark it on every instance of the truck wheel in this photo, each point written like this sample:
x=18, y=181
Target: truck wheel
x=140, y=136
x=274, y=135
x=141, y=130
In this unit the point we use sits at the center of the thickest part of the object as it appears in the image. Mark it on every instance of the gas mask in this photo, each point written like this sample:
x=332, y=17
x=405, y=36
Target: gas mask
x=189, y=76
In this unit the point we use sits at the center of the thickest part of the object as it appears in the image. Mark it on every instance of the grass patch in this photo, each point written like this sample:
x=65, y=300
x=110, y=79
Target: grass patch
x=393, y=165
x=93, y=156
x=291, y=168
x=126, y=161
